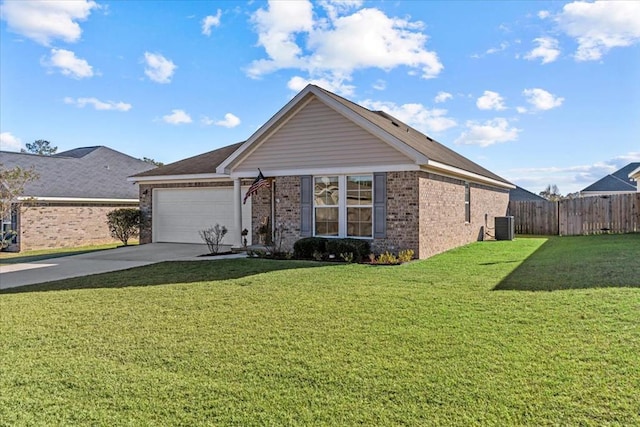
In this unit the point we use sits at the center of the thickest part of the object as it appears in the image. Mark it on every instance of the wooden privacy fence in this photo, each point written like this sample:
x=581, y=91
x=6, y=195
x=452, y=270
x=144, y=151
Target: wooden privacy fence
x=619, y=213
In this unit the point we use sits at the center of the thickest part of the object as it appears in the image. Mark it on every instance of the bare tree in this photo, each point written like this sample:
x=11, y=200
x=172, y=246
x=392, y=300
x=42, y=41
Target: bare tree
x=12, y=183
x=551, y=193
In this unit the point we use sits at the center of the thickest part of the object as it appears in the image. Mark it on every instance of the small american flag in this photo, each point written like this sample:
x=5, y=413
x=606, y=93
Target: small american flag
x=258, y=183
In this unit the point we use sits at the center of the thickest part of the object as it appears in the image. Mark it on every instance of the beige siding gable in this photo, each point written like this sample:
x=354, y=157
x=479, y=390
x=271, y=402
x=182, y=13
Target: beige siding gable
x=319, y=137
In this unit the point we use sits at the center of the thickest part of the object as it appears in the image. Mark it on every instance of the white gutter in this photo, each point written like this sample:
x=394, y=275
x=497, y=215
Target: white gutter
x=441, y=167
x=75, y=199
x=189, y=177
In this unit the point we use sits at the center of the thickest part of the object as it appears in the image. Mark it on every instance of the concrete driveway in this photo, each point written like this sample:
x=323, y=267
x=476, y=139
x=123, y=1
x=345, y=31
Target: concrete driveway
x=47, y=270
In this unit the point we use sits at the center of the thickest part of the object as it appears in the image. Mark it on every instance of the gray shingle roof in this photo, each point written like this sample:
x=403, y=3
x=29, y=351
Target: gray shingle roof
x=200, y=164
x=519, y=194
x=618, y=181
x=420, y=142
x=90, y=172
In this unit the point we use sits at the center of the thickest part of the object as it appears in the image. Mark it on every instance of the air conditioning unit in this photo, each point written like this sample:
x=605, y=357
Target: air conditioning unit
x=505, y=228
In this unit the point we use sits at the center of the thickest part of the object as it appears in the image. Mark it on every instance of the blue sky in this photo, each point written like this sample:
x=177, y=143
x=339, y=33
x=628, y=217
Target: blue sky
x=538, y=92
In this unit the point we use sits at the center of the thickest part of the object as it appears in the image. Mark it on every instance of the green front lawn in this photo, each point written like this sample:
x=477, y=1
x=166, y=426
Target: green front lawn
x=530, y=332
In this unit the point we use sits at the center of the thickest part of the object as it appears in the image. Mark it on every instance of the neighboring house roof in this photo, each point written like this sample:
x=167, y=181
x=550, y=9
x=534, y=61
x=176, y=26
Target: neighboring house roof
x=635, y=174
x=519, y=194
x=83, y=173
x=417, y=146
x=202, y=164
x=617, y=182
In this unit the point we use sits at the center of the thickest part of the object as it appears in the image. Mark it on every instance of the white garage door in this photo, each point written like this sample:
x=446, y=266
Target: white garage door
x=179, y=214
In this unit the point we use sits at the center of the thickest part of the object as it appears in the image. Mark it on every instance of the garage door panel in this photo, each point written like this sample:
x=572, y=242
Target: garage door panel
x=180, y=214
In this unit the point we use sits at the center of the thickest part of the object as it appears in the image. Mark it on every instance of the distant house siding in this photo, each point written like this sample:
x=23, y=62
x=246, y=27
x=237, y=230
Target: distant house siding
x=318, y=137
x=48, y=226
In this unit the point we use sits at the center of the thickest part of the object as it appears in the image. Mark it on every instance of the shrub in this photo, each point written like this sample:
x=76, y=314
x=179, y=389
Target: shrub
x=406, y=255
x=124, y=223
x=213, y=237
x=307, y=246
x=387, y=258
x=359, y=248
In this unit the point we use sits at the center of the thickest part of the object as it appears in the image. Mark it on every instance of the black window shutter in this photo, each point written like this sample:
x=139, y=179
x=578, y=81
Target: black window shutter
x=306, y=213
x=380, y=205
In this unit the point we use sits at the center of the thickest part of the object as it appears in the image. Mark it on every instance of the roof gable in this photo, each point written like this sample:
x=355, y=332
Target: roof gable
x=316, y=138
x=419, y=148
x=618, y=181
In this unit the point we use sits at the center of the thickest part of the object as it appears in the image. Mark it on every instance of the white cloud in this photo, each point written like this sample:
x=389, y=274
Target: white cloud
x=158, y=68
x=541, y=100
x=68, y=64
x=98, y=105
x=331, y=83
x=206, y=121
x=600, y=26
x=547, y=50
x=44, y=21
x=177, y=117
x=521, y=110
x=493, y=50
x=333, y=48
x=491, y=101
x=380, y=85
x=442, y=97
x=230, y=121
x=211, y=21
x=544, y=14
x=277, y=28
x=8, y=142
x=415, y=115
x=488, y=133
x=569, y=179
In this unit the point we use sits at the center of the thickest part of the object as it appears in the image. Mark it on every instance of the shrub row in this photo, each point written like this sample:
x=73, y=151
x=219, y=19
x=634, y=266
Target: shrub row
x=312, y=247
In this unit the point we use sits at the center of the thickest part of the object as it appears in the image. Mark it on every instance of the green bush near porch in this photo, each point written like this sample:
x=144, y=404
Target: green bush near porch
x=534, y=331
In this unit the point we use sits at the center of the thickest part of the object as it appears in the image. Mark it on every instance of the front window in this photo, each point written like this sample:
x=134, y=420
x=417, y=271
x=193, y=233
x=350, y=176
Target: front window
x=326, y=202
x=359, y=206
x=343, y=205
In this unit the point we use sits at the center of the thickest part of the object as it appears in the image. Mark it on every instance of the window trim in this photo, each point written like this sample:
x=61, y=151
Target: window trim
x=343, y=206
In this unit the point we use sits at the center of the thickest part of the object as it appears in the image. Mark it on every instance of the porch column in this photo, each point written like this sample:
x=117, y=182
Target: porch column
x=236, y=239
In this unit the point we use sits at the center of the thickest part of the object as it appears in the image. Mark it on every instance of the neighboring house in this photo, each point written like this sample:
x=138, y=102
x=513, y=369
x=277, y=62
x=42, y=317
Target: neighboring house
x=635, y=175
x=519, y=194
x=336, y=170
x=619, y=182
x=68, y=203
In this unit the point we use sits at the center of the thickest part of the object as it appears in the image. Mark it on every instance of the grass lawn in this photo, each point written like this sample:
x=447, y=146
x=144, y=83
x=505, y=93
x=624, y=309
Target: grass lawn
x=40, y=254
x=530, y=332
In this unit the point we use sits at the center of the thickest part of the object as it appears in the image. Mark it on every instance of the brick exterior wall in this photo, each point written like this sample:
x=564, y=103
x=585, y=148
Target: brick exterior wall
x=425, y=212
x=47, y=226
x=287, y=216
x=402, y=214
x=442, y=213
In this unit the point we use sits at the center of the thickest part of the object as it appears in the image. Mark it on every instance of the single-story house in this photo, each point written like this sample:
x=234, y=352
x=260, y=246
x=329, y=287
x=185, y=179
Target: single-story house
x=618, y=182
x=336, y=169
x=67, y=204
